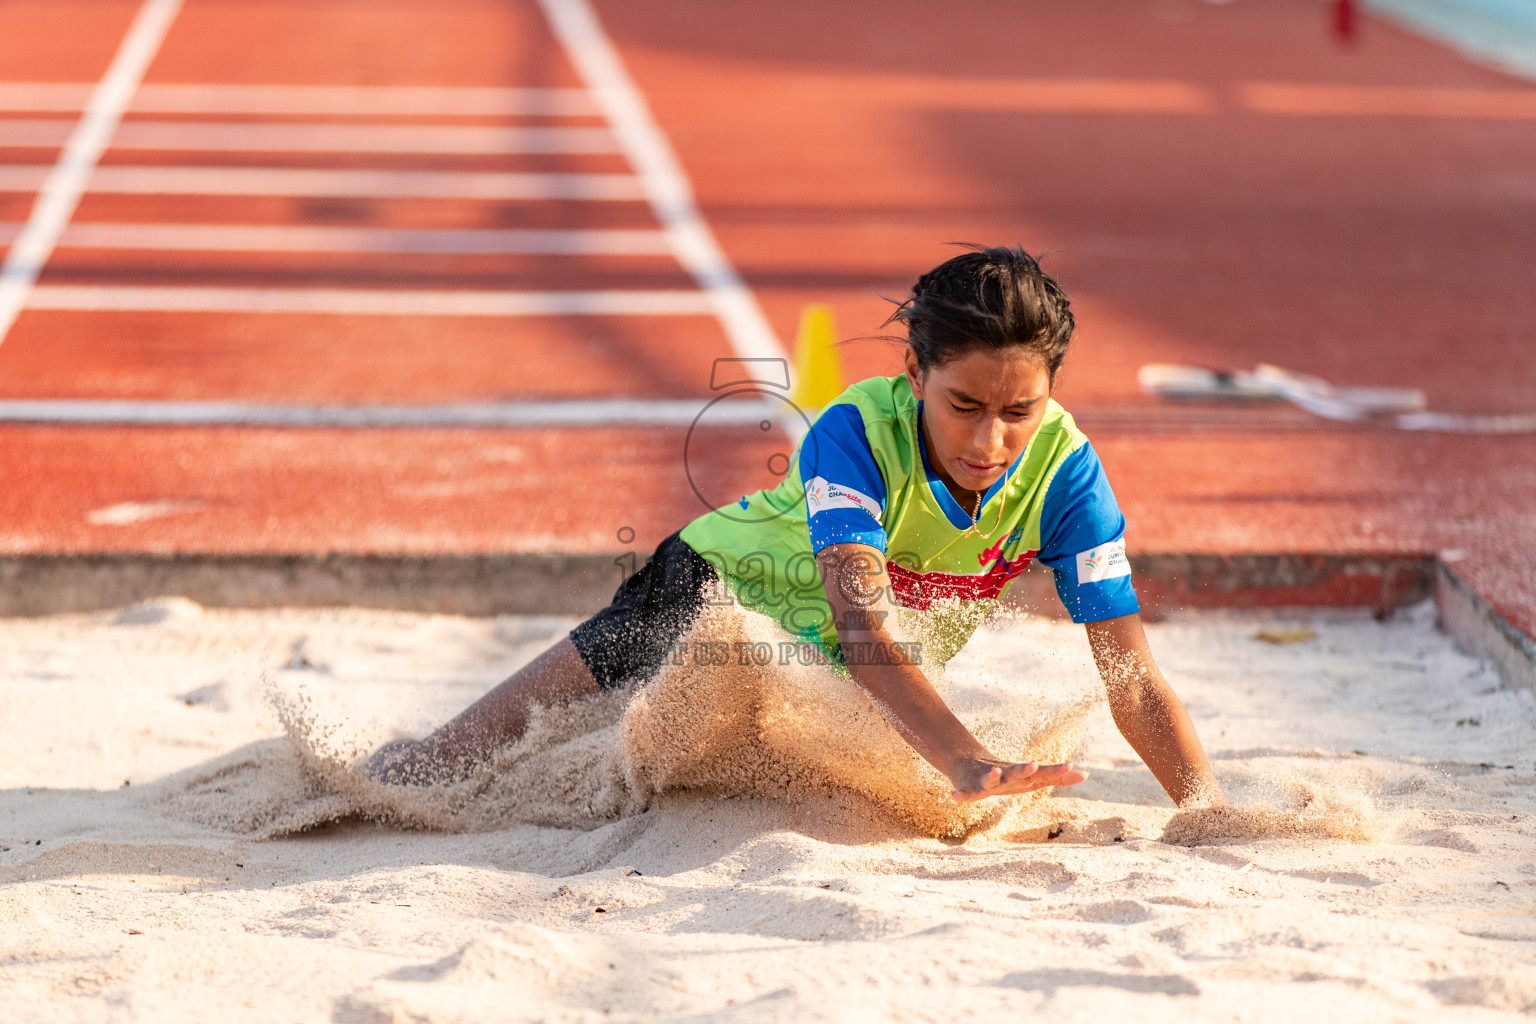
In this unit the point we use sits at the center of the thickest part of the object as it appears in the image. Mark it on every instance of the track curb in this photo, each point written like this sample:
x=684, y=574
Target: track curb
x=579, y=584
x=480, y=584
x=1478, y=628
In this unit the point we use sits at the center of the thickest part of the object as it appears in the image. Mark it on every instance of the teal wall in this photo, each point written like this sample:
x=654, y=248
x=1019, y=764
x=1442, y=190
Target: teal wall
x=1497, y=32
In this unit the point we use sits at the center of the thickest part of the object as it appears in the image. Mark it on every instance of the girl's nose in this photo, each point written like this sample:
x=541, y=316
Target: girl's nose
x=989, y=435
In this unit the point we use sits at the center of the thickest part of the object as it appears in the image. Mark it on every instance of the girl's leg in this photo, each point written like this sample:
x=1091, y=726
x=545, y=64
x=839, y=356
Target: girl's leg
x=559, y=674
x=628, y=640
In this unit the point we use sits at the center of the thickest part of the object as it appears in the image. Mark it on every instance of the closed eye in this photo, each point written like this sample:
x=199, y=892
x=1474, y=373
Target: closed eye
x=1015, y=413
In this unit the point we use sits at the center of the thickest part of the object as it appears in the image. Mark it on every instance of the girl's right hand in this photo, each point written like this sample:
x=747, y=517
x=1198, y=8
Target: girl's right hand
x=983, y=777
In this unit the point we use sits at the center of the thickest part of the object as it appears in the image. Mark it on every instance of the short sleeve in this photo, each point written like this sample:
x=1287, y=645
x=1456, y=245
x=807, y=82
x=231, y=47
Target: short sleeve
x=844, y=488
x=1082, y=540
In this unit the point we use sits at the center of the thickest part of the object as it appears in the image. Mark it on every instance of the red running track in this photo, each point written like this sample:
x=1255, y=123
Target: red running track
x=1219, y=184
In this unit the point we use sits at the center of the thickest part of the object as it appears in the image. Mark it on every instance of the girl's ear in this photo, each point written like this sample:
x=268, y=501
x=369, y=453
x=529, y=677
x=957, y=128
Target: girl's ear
x=914, y=374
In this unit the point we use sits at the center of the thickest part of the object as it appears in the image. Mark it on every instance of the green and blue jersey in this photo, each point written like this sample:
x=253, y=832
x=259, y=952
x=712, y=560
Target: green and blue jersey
x=862, y=474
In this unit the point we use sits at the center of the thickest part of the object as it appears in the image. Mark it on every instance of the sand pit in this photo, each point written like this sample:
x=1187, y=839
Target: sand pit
x=752, y=844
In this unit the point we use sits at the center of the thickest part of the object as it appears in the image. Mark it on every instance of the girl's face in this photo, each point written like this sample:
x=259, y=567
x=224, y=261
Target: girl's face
x=979, y=411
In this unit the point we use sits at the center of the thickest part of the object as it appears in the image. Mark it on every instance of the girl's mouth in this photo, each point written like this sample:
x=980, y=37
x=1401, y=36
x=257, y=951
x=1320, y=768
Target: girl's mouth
x=978, y=469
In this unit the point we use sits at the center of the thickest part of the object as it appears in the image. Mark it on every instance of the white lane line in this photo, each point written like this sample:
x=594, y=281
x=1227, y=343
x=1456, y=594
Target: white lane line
x=283, y=238
x=552, y=413
x=317, y=100
x=1458, y=423
x=366, y=301
x=45, y=97
x=226, y=137
x=442, y=101
x=296, y=181
x=66, y=182
x=665, y=183
x=19, y=134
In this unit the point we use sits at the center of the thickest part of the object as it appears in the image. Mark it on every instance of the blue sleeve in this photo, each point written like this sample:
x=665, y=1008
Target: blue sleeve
x=1082, y=539
x=844, y=488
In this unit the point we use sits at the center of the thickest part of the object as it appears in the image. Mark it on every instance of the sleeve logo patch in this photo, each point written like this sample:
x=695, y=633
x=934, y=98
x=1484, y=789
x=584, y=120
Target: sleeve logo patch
x=1105, y=562
x=821, y=495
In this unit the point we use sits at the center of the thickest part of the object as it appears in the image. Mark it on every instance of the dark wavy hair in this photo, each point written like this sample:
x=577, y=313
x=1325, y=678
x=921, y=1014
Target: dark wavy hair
x=996, y=297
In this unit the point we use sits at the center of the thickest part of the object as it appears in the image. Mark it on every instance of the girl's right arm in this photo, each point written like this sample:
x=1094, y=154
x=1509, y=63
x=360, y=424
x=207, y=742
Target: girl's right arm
x=858, y=588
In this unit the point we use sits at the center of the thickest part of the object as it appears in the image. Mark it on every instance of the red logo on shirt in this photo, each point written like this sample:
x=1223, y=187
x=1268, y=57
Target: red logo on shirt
x=997, y=549
x=920, y=589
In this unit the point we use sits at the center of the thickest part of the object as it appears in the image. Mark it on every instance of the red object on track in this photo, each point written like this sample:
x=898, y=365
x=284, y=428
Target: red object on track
x=1344, y=20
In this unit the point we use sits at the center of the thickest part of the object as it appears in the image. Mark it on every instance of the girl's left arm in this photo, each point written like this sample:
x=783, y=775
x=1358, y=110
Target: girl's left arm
x=1149, y=714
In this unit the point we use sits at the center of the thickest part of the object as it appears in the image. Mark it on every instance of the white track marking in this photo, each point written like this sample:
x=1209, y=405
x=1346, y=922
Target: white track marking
x=66, y=182
x=125, y=512
x=225, y=137
x=1311, y=99
x=666, y=185
x=340, y=183
x=297, y=238
x=45, y=97
x=572, y=413
x=317, y=100
x=922, y=92
x=1459, y=423
x=596, y=412
x=24, y=134
x=442, y=101
x=366, y=301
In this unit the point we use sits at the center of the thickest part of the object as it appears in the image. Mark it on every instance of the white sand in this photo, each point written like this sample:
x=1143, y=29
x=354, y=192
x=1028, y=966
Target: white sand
x=183, y=895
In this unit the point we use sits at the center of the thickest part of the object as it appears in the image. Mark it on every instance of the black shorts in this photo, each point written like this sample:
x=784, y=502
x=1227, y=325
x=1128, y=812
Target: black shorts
x=629, y=640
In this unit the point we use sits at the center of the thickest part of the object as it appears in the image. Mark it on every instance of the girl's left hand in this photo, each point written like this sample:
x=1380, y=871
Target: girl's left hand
x=981, y=778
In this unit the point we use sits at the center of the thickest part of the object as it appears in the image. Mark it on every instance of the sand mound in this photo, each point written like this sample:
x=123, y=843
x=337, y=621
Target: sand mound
x=787, y=730
x=1309, y=812
x=267, y=788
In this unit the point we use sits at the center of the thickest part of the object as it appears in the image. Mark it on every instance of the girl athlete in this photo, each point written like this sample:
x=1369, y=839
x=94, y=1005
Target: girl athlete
x=929, y=490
